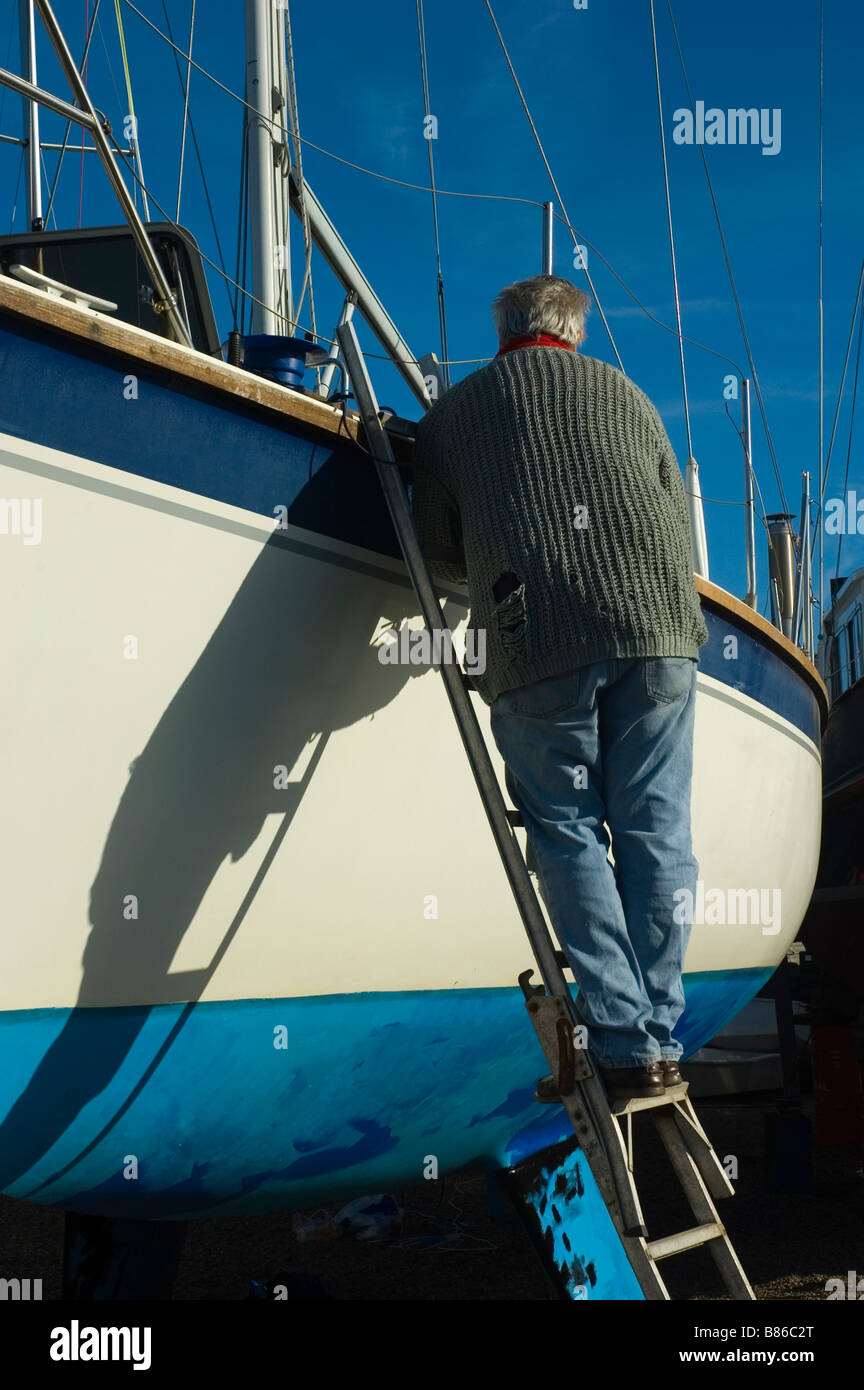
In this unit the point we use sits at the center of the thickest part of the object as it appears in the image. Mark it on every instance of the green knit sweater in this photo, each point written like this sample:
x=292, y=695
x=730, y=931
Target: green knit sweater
x=549, y=474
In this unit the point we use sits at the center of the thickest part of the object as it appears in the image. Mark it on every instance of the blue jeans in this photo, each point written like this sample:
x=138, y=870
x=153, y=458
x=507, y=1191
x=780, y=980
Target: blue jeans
x=611, y=742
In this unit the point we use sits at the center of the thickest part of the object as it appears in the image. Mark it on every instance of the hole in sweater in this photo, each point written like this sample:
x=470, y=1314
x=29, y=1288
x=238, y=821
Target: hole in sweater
x=506, y=584
x=509, y=617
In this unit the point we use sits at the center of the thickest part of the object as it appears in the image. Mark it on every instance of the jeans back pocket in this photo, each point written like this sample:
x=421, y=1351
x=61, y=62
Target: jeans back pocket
x=668, y=678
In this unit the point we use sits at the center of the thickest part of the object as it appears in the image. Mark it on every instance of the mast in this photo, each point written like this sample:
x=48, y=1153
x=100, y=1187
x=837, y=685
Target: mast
x=267, y=153
x=27, y=26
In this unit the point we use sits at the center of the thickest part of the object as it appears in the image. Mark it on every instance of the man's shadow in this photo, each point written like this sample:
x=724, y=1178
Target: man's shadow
x=291, y=659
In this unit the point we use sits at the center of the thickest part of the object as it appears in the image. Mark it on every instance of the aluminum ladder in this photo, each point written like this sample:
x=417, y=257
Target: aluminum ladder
x=597, y=1126
x=699, y=1171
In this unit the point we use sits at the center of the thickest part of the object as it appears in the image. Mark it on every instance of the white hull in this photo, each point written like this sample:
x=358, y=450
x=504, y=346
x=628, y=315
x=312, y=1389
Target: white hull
x=387, y=831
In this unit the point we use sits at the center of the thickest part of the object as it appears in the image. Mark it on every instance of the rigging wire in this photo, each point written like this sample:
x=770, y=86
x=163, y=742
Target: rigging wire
x=822, y=470
x=424, y=188
x=551, y=176
x=242, y=232
x=187, y=85
x=247, y=294
x=110, y=67
x=81, y=68
x=841, y=389
x=427, y=104
x=276, y=129
x=83, y=132
x=744, y=334
x=667, y=328
x=577, y=236
x=45, y=175
x=294, y=130
x=851, y=427
x=21, y=163
x=675, y=288
x=360, y=168
x=384, y=357
x=194, y=134
x=133, y=133
x=6, y=90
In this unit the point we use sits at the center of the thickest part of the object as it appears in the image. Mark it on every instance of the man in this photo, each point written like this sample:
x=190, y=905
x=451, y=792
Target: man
x=547, y=482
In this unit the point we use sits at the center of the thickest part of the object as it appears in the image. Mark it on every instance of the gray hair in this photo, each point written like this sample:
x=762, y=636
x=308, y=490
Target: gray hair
x=543, y=304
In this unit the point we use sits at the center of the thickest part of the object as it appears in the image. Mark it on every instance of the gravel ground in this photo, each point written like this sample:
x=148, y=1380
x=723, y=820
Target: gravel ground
x=789, y=1244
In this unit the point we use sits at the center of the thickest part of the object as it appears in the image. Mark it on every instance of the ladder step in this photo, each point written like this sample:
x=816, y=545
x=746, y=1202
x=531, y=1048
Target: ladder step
x=630, y=1107
x=684, y=1240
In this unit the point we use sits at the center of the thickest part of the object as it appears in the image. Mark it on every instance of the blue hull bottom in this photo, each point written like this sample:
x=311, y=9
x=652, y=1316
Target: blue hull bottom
x=202, y=1110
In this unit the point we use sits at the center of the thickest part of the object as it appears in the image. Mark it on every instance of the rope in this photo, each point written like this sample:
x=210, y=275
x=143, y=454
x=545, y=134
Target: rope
x=671, y=234
x=744, y=334
x=187, y=85
x=134, y=132
x=424, y=78
x=548, y=167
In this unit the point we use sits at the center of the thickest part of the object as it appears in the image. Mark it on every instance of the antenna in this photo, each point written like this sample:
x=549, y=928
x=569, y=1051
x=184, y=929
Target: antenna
x=747, y=441
x=548, y=239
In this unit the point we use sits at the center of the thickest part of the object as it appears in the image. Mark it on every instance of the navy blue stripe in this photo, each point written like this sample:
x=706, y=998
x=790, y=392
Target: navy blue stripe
x=68, y=394
x=757, y=670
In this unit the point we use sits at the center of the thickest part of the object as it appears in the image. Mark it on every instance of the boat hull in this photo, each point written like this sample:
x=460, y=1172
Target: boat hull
x=219, y=1109
x=229, y=817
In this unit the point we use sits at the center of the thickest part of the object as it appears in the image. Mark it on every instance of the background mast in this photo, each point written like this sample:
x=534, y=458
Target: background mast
x=27, y=28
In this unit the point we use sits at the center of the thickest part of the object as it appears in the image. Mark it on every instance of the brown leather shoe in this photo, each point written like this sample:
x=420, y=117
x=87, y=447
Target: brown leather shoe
x=671, y=1074
x=634, y=1083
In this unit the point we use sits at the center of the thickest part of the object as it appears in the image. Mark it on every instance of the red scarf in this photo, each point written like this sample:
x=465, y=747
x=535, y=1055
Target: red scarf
x=545, y=340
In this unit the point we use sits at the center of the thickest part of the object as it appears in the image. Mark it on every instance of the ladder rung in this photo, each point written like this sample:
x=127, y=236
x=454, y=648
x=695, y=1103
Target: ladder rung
x=684, y=1240
x=629, y=1107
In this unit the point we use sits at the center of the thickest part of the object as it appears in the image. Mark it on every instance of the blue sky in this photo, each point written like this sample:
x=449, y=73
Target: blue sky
x=589, y=79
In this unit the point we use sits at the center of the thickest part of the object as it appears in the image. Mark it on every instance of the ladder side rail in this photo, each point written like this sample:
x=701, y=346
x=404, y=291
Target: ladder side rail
x=466, y=718
x=701, y=1150
x=703, y=1208
x=478, y=756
